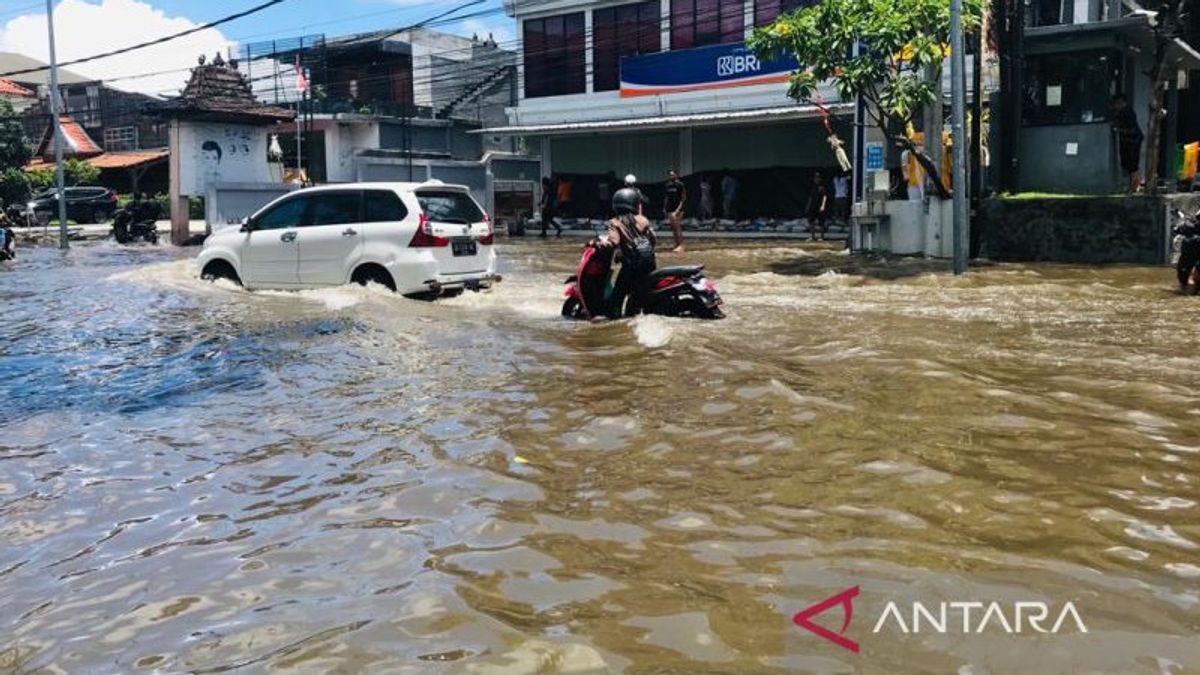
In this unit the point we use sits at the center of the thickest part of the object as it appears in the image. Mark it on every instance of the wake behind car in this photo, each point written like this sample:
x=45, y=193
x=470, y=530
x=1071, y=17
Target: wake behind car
x=85, y=204
x=419, y=239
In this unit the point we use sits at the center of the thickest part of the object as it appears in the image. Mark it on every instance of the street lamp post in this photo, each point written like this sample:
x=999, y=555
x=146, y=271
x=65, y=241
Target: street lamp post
x=958, y=129
x=57, y=130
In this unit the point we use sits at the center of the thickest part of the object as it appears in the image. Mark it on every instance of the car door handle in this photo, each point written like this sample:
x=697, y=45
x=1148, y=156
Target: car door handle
x=287, y=236
x=349, y=232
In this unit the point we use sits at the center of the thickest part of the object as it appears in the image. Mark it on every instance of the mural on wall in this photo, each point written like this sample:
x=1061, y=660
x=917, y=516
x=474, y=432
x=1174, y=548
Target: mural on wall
x=221, y=153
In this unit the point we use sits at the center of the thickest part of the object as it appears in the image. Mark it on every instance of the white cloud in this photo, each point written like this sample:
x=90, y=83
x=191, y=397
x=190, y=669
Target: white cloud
x=84, y=28
x=501, y=30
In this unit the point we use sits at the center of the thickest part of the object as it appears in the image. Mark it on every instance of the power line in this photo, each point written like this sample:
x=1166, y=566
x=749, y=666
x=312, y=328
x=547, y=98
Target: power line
x=150, y=43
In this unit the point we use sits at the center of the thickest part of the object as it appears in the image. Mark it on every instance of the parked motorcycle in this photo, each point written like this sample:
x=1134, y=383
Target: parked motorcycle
x=136, y=222
x=674, y=291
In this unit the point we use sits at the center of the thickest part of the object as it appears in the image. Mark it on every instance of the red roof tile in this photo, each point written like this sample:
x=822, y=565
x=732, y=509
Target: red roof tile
x=10, y=88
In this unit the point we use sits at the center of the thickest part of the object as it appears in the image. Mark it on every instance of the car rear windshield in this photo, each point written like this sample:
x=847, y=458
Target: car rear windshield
x=449, y=206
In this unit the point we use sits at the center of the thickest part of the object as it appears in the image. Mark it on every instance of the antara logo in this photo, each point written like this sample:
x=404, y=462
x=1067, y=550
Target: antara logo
x=737, y=65
x=945, y=617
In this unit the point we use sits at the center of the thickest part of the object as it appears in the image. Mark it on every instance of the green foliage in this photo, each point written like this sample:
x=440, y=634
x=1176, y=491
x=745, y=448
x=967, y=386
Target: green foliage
x=14, y=147
x=75, y=172
x=41, y=179
x=80, y=172
x=896, y=41
x=14, y=187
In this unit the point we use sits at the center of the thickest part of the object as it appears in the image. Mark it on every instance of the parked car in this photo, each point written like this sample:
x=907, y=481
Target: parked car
x=419, y=239
x=85, y=204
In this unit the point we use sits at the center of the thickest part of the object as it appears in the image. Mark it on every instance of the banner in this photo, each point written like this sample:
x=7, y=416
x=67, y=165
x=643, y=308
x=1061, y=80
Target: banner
x=700, y=69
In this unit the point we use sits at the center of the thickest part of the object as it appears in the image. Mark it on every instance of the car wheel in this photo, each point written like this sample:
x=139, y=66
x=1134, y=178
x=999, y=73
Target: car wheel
x=220, y=269
x=371, y=273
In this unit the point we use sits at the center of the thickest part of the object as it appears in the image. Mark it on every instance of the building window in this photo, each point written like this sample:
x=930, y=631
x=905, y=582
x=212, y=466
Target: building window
x=766, y=11
x=626, y=30
x=1070, y=87
x=554, y=55
x=696, y=23
x=120, y=139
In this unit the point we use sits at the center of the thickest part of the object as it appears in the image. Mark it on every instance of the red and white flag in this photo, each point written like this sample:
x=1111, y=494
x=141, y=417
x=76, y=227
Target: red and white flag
x=301, y=80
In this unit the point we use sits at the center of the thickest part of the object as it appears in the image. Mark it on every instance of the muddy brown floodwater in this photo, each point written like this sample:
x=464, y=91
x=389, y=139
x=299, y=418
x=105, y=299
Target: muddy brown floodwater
x=197, y=478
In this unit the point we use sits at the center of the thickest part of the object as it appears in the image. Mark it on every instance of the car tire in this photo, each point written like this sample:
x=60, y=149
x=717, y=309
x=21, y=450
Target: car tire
x=371, y=273
x=220, y=269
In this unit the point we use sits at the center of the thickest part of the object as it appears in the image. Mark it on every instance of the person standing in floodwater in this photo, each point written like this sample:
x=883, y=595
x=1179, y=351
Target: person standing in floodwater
x=674, y=197
x=818, y=208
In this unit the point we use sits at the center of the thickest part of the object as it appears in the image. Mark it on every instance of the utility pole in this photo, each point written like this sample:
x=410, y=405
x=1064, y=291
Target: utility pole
x=958, y=129
x=57, y=130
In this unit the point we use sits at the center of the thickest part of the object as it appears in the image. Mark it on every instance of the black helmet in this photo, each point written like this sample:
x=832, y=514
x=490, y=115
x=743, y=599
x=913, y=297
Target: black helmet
x=626, y=200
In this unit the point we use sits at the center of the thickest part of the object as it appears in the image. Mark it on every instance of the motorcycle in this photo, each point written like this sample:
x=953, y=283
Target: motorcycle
x=8, y=247
x=681, y=291
x=133, y=223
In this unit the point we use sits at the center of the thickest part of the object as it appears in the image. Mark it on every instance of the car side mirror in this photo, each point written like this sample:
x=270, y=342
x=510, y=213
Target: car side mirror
x=246, y=227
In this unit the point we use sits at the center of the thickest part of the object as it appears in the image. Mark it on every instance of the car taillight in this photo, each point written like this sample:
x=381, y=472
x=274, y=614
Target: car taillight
x=424, y=237
x=489, y=238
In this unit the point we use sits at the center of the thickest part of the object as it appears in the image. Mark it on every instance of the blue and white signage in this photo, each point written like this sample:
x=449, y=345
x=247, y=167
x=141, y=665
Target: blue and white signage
x=714, y=67
x=874, y=156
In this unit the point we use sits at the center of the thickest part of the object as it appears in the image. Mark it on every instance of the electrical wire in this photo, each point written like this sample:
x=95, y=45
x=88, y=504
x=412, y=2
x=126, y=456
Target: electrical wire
x=150, y=43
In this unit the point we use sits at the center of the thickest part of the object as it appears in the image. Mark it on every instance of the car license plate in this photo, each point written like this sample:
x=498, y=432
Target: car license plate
x=462, y=247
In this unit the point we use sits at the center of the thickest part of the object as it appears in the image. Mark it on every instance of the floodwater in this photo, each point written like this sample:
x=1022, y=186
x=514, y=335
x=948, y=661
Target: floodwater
x=198, y=478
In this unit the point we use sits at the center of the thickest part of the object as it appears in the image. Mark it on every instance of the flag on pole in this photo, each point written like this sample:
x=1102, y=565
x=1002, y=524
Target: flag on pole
x=301, y=80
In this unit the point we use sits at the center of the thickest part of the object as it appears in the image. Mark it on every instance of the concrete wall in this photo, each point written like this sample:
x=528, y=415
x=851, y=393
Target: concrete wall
x=1046, y=166
x=1089, y=230
x=228, y=203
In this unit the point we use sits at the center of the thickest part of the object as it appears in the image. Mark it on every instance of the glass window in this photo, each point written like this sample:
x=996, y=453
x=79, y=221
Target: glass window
x=766, y=11
x=1070, y=87
x=383, y=206
x=697, y=23
x=283, y=215
x=334, y=208
x=1049, y=12
x=554, y=55
x=626, y=30
x=447, y=206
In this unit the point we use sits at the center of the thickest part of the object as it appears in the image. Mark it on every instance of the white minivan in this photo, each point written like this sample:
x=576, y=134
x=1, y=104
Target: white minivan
x=419, y=239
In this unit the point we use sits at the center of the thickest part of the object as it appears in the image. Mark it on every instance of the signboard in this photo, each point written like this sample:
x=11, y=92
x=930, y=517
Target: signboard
x=703, y=68
x=221, y=153
x=874, y=156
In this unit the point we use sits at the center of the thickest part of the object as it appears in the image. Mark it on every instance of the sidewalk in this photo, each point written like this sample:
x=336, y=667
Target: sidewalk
x=35, y=235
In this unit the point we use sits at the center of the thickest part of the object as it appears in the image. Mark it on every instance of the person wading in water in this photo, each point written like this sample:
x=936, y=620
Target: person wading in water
x=675, y=196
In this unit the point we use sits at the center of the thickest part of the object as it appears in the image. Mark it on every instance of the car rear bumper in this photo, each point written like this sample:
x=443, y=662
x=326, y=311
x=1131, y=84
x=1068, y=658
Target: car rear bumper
x=471, y=281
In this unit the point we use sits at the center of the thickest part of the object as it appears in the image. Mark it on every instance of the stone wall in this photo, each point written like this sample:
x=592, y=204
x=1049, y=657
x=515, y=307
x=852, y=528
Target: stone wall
x=1080, y=230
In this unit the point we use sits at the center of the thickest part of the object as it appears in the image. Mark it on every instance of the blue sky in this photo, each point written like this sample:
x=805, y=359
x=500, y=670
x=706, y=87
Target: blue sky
x=87, y=27
x=350, y=16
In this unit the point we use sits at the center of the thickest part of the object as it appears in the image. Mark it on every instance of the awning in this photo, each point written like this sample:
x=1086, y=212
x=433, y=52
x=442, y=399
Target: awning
x=671, y=121
x=1135, y=28
x=113, y=160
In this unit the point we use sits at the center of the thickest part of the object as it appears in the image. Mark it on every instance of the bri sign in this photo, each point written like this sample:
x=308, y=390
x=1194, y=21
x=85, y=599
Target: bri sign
x=703, y=68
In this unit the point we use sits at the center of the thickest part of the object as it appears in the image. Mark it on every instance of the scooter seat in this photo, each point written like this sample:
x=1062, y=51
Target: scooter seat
x=677, y=271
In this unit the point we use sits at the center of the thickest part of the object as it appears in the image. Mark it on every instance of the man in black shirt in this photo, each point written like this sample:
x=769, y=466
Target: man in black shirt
x=675, y=196
x=1129, y=139
x=818, y=209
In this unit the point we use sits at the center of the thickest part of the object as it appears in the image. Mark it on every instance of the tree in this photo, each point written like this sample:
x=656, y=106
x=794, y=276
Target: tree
x=79, y=172
x=14, y=147
x=1166, y=23
x=878, y=49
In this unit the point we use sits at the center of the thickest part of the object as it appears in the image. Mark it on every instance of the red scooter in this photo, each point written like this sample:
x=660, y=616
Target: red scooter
x=674, y=291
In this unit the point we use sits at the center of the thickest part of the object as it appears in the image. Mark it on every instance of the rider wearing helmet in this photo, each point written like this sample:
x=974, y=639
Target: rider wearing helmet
x=631, y=234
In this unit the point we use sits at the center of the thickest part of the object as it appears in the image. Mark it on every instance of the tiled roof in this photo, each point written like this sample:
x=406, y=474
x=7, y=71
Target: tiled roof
x=78, y=143
x=110, y=160
x=10, y=88
x=220, y=92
